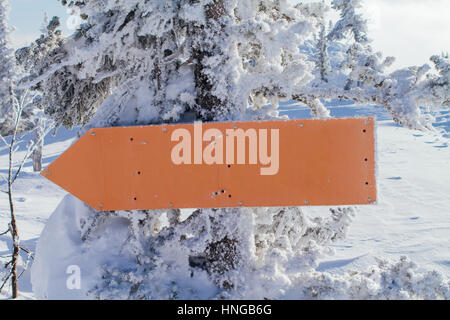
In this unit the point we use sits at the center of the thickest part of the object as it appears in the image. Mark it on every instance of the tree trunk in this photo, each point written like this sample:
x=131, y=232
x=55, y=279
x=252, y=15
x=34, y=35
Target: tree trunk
x=16, y=249
x=39, y=142
x=13, y=224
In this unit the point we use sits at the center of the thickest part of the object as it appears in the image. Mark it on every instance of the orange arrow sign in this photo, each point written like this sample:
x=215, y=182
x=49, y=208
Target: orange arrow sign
x=222, y=164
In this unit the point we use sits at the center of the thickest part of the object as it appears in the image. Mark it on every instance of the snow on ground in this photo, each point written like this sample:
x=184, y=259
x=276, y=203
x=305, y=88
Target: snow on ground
x=411, y=217
x=35, y=199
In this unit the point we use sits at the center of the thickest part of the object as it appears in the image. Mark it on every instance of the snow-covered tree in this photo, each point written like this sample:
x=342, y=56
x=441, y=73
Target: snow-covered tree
x=321, y=41
x=439, y=85
x=351, y=22
x=10, y=73
x=145, y=62
x=181, y=56
x=359, y=74
x=323, y=60
x=7, y=73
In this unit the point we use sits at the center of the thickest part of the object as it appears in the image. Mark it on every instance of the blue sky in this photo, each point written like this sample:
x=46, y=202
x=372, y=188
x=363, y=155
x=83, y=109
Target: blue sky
x=411, y=30
x=27, y=17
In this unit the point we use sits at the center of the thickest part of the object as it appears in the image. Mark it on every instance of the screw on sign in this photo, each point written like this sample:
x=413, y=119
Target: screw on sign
x=222, y=164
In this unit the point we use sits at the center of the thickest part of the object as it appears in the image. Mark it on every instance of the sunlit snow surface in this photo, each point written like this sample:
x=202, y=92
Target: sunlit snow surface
x=412, y=216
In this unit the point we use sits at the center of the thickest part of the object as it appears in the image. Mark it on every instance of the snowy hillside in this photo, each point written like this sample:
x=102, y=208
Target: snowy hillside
x=411, y=217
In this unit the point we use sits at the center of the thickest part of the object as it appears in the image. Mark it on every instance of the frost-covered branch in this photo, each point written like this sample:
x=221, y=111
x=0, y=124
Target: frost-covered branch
x=5, y=281
x=4, y=140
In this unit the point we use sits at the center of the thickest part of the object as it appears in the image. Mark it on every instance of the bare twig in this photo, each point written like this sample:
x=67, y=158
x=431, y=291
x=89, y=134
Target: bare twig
x=4, y=178
x=27, y=251
x=5, y=281
x=3, y=233
x=29, y=257
x=20, y=275
x=9, y=262
x=25, y=133
x=13, y=229
x=4, y=140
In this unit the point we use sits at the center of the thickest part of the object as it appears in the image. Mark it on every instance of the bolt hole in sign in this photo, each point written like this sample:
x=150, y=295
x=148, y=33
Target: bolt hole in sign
x=222, y=164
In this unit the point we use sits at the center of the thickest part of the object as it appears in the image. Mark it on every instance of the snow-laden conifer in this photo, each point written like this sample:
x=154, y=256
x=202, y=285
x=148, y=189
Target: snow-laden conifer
x=7, y=73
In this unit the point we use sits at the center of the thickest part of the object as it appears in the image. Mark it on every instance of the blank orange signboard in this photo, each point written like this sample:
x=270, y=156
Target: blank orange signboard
x=320, y=162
